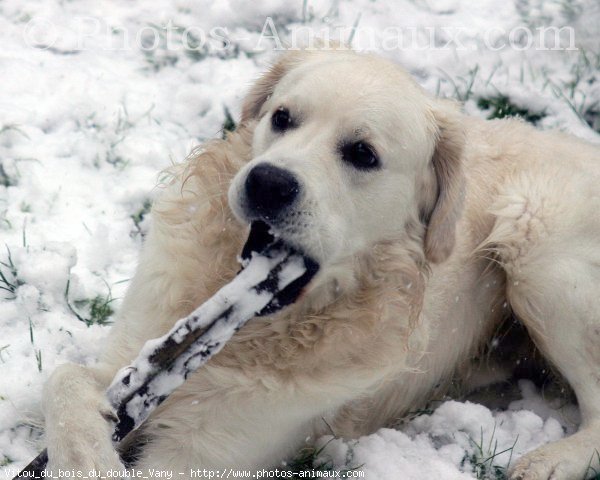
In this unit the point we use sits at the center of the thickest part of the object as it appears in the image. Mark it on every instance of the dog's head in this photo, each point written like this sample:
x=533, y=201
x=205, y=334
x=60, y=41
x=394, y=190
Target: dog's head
x=347, y=152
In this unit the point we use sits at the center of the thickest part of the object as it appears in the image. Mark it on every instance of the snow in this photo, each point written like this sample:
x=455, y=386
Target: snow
x=452, y=440
x=87, y=124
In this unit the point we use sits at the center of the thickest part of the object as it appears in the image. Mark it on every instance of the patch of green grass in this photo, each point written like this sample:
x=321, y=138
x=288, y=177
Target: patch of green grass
x=309, y=460
x=5, y=222
x=170, y=43
x=13, y=127
x=304, y=460
x=122, y=128
x=462, y=85
x=98, y=308
x=196, y=47
x=38, y=359
x=6, y=460
x=591, y=469
x=9, y=281
x=5, y=179
x=11, y=177
x=138, y=217
x=500, y=106
x=4, y=347
x=585, y=74
x=483, y=457
x=592, y=117
x=305, y=12
x=578, y=91
x=155, y=47
x=486, y=471
x=116, y=160
x=37, y=351
x=427, y=410
x=228, y=123
x=112, y=157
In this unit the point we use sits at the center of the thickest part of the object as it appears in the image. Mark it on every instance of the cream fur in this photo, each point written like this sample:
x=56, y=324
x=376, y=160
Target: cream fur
x=417, y=259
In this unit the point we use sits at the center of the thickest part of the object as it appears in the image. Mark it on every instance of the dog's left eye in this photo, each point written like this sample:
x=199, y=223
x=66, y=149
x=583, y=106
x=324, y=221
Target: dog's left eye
x=360, y=155
x=281, y=120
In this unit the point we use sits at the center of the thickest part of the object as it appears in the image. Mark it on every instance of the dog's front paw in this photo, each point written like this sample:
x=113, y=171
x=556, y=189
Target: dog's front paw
x=84, y=460
x=82, y=445
x=562, y=460
x=79, y=426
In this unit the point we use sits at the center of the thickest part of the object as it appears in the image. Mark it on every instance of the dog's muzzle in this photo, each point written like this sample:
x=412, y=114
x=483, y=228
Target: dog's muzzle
x=269, y=191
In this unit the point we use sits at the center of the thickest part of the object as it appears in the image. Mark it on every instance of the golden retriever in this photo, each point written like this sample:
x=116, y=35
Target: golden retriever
x=431, y=228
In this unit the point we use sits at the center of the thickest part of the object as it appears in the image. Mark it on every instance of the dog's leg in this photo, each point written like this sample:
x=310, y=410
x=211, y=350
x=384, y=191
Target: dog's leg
x=78, y=430
x=552, y=260
x=189, y=253
x=560, y=304
x=77, y=414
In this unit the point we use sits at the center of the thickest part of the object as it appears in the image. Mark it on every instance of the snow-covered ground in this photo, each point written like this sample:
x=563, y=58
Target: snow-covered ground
x=96, y=97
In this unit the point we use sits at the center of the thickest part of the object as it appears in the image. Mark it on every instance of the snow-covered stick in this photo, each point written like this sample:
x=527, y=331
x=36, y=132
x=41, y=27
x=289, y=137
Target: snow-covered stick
x=164, y=363
x=268, y=282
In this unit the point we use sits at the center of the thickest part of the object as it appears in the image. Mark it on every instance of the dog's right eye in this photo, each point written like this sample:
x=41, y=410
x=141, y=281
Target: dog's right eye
x=360, y=155
x=281, y=120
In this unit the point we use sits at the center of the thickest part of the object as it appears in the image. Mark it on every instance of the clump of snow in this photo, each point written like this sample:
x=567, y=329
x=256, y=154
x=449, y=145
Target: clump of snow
x=453, y=440
x=95, y=102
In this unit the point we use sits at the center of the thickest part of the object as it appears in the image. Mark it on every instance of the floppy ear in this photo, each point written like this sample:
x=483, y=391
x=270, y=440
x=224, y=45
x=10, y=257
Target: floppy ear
x=440, y=236
x=264, y=86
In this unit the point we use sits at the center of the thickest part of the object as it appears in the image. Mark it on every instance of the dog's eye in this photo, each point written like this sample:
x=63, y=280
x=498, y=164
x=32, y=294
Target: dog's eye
x=360, y=155
x=281, y=120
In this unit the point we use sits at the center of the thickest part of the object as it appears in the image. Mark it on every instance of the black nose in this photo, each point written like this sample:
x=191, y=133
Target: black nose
x=270, y=189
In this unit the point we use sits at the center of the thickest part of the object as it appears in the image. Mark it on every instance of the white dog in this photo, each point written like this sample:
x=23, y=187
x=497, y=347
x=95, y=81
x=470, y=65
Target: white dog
x=430, y=227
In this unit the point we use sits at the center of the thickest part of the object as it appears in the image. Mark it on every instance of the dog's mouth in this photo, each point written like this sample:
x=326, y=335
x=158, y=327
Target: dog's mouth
x=261, y=240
